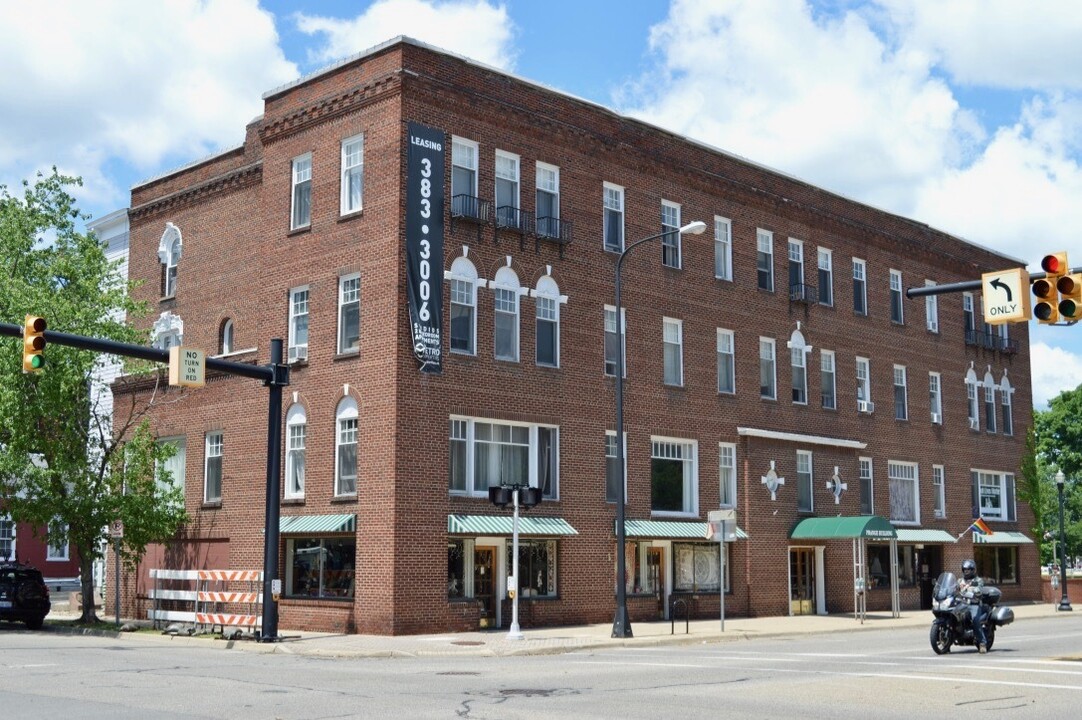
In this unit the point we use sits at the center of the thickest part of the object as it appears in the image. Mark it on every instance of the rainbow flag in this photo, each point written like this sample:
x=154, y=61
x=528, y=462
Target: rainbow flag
x=980, y=526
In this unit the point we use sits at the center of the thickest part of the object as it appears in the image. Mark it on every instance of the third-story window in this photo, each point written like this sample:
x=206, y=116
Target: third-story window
x=935, y=398
x=547, y=295
x=896, y=315
x=864, y=385
x=796, y=269
x=901, y=396
x=670, y=241
x=674, y=350
x=614, y=218
x=860, y=287
x=969, y=320
x=212, y=470
x=507, y=186
x=548, y=200
x=349, y=313
x=674, y=482
x=723, y=248
x=301, y=213
x=727, y=465
x=866, y=488
x=169, y=252
x=931, y=309
x=464, y=178
x=352, y=174
x=345, y=476
x=726, y=362
x=614, y=342
x=826, y=277
x=828, y=380
x=805, y=501
x=764, y=259
x=767, y=376
x=298, y=324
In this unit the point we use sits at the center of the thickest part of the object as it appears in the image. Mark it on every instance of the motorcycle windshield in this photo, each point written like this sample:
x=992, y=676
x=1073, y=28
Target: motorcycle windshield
x=945, y=586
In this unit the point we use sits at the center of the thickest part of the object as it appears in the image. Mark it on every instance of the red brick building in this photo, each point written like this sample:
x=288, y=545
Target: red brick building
x=780, y=339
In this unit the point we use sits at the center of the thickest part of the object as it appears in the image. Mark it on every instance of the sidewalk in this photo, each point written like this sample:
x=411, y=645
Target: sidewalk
x=549, y=641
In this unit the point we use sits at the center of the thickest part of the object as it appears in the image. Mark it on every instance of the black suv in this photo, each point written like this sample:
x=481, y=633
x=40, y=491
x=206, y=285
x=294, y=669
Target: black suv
x=24, y=596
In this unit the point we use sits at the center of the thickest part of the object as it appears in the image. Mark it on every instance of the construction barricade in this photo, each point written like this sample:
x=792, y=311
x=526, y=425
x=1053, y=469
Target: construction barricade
x=207, y=599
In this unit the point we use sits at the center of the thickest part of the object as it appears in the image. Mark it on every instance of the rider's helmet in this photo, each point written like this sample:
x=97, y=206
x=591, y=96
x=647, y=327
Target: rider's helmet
x=969, y=569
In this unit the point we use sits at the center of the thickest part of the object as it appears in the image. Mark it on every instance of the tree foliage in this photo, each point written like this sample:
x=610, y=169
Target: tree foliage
x=1058, y=440
x=62, y=463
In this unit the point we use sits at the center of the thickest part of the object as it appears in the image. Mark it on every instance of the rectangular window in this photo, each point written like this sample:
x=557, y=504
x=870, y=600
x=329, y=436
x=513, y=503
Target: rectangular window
x=536, y=567
x=767, y=382
x=57, y=542
x=612, y=469
x=548, y=200
x=548, y=331
x=860, y=287
x=301, y=210
x=674, y=480
x=896, y=315
x=727, y=466
x=997, y=563
x=506, y=323
x=296, y=435
x=939, y=489
x=212, y=468
x=346, y=468
x=866, y=486
x=969, y=320
x=878, y=569
x=464, y=178
x=460, y=568
x=864, y=385
x=459, y=443
x=990, y=407
x=798, y=360
x=972, y=406
x=931, y=308
x=670, y=241
x=935, y=398
x=993, y=495
x=493, y=453
x=723, y=248
x=696, y=567
x=1005, y=403
x=904, y=492
x=674, y=349
x=796, y=270
x=298, y=324
x=901, y=395
x=349, y=313
x=726, y=362
x=463, y=316
x=7, y=538
x=827, y=379
x=613, y=344
x=174, y=467
x=507, y=190
x=320, y=567
x=352, y=174
x=805, y=501
x=614, y=218
x=826, y=277
x=764, y=259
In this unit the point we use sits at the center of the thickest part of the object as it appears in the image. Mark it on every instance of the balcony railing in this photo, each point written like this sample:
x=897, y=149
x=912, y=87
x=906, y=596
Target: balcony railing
x=991, y=341
x=803, y=293
x=554, y=230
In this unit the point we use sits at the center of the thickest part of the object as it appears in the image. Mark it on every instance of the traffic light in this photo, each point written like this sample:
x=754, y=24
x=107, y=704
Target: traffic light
x=33, y=344
x=1070, y=291
x=1046, y=310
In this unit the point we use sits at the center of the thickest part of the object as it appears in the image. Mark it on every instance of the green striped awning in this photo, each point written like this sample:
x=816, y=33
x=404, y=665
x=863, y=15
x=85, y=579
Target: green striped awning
x=872, y=527
x=670, y=530
x=502, y=525
x=1002, y=537
x=296, y=524
x=919, y=535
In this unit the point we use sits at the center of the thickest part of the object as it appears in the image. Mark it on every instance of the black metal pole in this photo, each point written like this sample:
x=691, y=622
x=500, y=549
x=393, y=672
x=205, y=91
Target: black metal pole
x=1064, y=602
x=273, y=511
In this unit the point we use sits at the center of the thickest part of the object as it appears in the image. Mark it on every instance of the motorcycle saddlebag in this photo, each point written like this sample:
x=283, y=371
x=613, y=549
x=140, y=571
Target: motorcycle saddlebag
x=1003, y=616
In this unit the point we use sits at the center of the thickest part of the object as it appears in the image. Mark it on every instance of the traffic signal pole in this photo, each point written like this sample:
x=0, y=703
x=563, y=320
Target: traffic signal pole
x=275, y=376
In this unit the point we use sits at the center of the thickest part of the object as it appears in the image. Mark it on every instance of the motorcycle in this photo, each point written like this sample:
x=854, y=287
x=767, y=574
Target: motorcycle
x=952, y=624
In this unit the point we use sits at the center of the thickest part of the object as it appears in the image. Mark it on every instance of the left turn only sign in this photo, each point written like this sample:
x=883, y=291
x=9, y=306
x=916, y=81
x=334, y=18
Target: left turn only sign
x=187, y=367
x=1006, y=296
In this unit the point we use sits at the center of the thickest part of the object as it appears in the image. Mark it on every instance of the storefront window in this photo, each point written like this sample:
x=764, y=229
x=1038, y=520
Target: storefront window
x=997, y=564
x=878, y=569
x=320, y=567
x=696, y=567
x=536, y=567
x=459, y=568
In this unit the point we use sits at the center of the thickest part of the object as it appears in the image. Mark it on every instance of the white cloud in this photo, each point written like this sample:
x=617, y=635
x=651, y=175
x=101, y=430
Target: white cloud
x=1054, y=370
x=475, y=28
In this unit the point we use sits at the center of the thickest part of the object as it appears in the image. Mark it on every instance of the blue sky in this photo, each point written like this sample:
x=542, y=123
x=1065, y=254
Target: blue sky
x=964, y=114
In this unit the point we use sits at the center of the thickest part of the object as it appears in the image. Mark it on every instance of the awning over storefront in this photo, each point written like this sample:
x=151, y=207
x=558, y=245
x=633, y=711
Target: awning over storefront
x=297, y=524
x=670, y=530
x=502, y=525
x=869, y=527
x=918, y=535
x=1002, y=537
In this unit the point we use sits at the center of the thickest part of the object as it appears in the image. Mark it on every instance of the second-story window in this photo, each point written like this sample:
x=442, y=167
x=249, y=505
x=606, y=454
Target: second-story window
x=931, y=309
x=989, y=402
x=726, y=362
x=860, y=287
x=767, y=376
x=463, y=281
x=614, y=341
x=866, y=488
x=896, y=314
x=805, y=498
x=547, y=295
x=296, y=432
x=723, y=248
x=614, y=218
x=507, y=187
x=352, y=174
x=935, y=398
x=226, y=345
x=901, y=397
x=826, y=277
x=764, y=259
x=349, y=313
x=798, y=359
x=670, y=241
x=301, y=211
x=1005, y=391
x=796, y=269
x=972, y=403
x=727, y=466
x=864, y=385
x=345, y=476
x=674, y=350
x=506, y=290
x=464, y=178
x=939, y=508
x=827, y=379
x=212, y=469
x=548, y=200
x=298, y=323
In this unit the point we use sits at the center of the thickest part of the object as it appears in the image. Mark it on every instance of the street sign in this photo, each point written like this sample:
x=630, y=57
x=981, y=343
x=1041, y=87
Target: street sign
x=187, y=367
x=116, y=529
x=1006, y=296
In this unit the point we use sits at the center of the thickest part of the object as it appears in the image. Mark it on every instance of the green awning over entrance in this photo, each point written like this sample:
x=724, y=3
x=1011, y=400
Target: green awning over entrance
x=502, y=525
x=919, y=535
x=297, y=524
x=1002, y=537
x=872, y=527
x=670, y=530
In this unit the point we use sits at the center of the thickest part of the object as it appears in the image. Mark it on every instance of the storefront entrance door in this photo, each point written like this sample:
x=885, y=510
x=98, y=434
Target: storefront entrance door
x=655, y=574
x=802, y=581
x=484, y=584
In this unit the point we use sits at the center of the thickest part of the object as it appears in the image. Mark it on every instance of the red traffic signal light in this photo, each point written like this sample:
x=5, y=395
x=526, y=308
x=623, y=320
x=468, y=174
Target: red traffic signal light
x=33, y=344
x=1055, y=264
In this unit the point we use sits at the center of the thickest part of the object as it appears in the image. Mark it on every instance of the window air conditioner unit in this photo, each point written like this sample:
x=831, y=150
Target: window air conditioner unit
x=298, y=354
x=974, y=424
x=865, y=406
x=937, y=419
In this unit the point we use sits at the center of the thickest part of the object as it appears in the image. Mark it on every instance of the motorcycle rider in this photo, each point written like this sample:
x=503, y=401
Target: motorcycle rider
x=970, y=588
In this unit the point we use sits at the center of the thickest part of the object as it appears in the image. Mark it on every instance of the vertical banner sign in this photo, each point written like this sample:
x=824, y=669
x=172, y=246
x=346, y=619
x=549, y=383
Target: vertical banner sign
x=424, y=243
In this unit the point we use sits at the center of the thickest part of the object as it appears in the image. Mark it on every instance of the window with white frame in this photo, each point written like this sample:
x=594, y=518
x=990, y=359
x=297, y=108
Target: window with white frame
x=935, y=398
x=904, y=492
x=214, y=450
x=796, y=268
x=301, y=209
x=993, y=495
x=296, y=432
x=614, y=218
x=536, y=567
x=1004, y=335
x=464, y=178
x=931, y=308
x=1005, y=391
x=7, y=538
x=349, y=313
x=723, y=248
x=896, y=312
x=866, y=486
x=173, y=467
x=860, y=287
x=167, y=331
x=490, y=453
x=674, y=476
x=998, y=563
x=463, y=281
x=798, y=359
x=989, y=402
x=298, y=323
x=57, y=543
x=548, y=200
x=726, y=362
x=225, y=343
x=969, y=319
x=827, y=380
x=613, y=343
x=547, y=297
x=805, y=498
x=345, y=448
x=901, y=394
x=768, y=388
x=506, y=289
x=670, y=241
x=939, y=490
x=727, y=469
x=673, y=351
x=612, y=468
x=972, y=403
x=507, y=189
x=864, y=384
x=696, y=567
x=169, y=252
x=826, y=277
x=352, y=174
x=764, y=259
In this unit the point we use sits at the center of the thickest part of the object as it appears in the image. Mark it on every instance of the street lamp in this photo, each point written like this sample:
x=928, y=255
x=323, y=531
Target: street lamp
x=1064, y=602
x=621, y=625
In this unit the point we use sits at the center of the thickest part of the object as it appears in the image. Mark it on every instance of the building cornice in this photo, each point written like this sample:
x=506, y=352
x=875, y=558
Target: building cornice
x=236, y=179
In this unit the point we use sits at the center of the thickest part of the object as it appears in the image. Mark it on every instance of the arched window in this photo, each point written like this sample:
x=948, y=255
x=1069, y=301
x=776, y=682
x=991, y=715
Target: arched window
x=345, y=473
x=168, y=331
x=226, y=345
x=798, y=358
x=972, y=403
x=296, y=432
x=169, y=251
x=548, y=299
x=1005, y=391
x=506, y=290
x=989, y=401
x=463, y=280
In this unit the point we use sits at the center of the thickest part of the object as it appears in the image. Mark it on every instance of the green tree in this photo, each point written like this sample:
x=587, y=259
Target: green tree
x=1058, y=439
x=63, y=465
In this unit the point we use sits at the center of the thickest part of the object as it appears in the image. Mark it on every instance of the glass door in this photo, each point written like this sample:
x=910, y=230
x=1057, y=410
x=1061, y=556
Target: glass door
x=484, y=584
x=802, y=581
